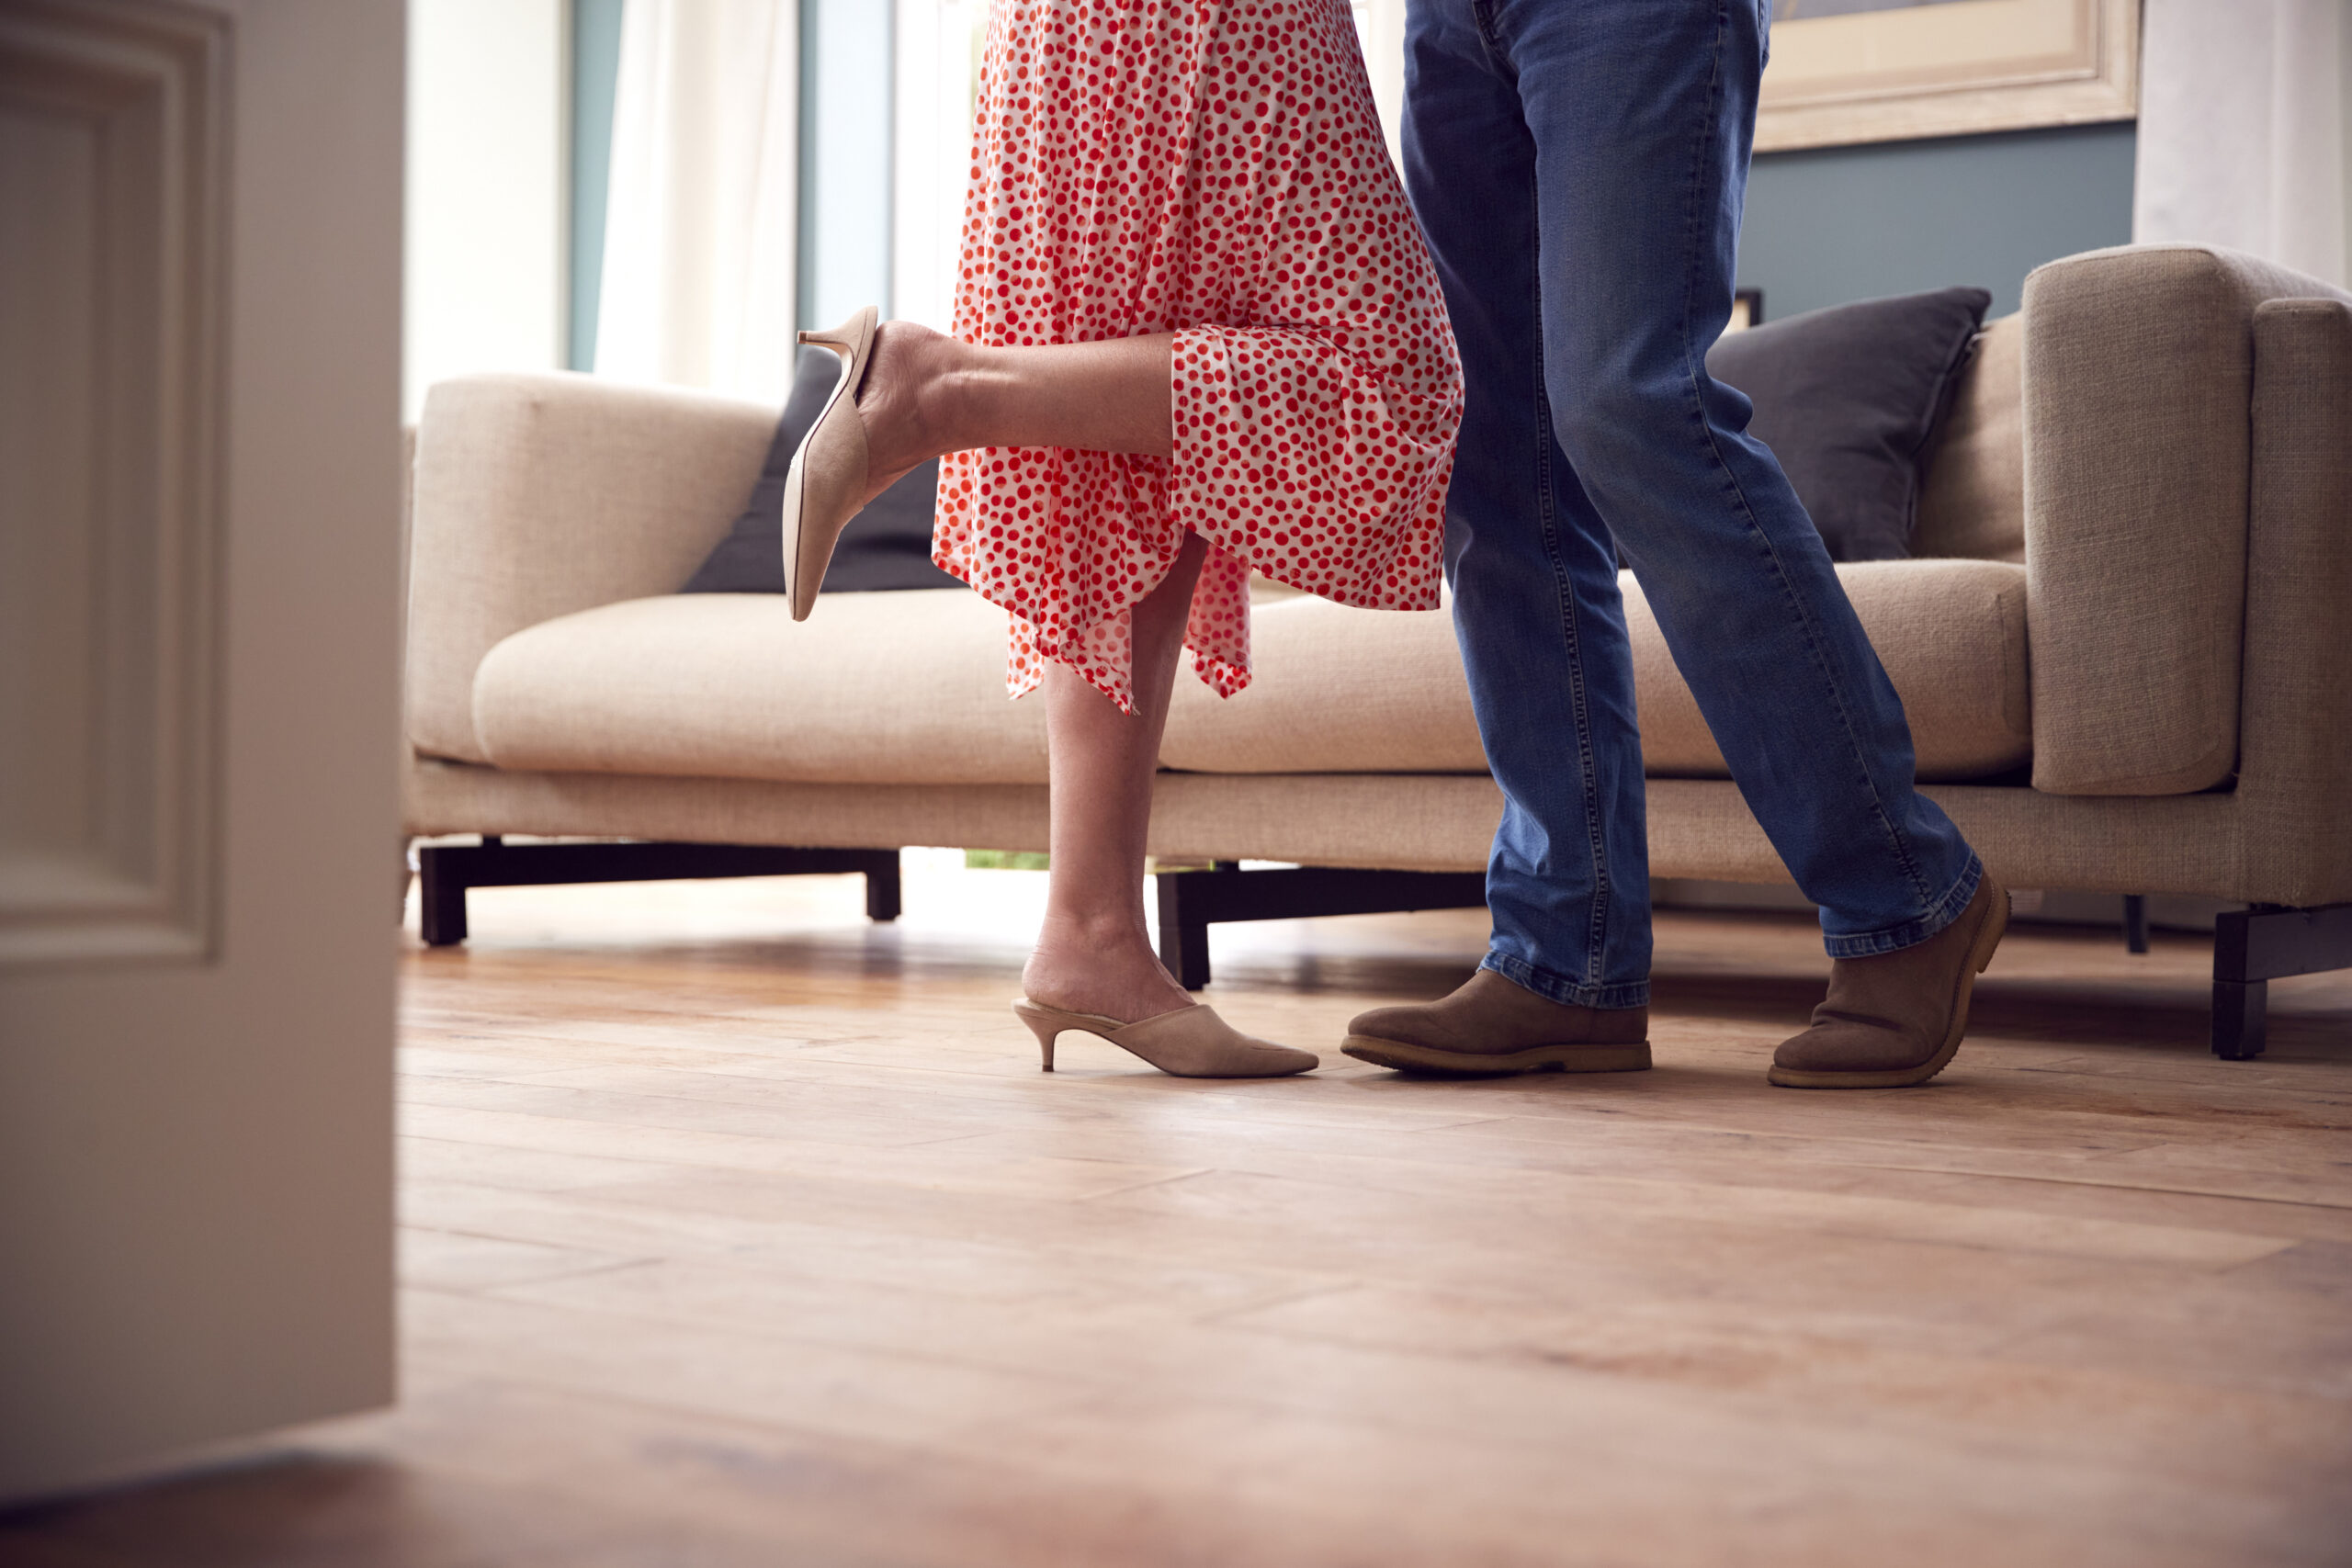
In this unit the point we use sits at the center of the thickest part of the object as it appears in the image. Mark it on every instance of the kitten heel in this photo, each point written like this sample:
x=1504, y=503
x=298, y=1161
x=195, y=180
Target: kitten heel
x=1043, y=1026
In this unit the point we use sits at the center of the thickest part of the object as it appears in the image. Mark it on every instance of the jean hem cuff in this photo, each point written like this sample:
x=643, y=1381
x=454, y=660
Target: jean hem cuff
x=1568, y=993
x=1893, y=939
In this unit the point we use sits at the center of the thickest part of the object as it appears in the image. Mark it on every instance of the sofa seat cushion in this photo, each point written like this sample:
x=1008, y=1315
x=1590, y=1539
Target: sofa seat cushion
x=1332, y=690
x=1951, y=636
x=899, y=688
x=908, y=688
x=1340, y=690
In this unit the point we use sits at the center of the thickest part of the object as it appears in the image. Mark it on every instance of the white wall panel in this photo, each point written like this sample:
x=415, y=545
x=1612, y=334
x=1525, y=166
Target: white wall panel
x=199, y=491
x=113, y=160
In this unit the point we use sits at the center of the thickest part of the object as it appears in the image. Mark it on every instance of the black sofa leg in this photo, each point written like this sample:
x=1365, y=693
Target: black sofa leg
x=2135, y=922
x=1191, y=901
x=446, y=871
x=1184, y=924
x=2238, y=1019
x=2260, y=944
x=441, y=887
x=882, y=891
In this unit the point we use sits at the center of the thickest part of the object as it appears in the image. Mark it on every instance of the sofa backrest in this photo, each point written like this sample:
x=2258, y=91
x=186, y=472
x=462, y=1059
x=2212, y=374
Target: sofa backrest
x=538, y=495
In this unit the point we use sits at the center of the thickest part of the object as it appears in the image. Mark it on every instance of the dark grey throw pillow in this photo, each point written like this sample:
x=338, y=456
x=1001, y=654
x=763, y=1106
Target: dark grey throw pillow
x=887, y=546
x=1851, y=399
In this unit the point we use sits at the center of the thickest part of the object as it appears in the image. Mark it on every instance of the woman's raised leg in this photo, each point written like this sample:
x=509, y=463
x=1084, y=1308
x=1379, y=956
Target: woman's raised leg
x=926, y=394
x=1094, y=955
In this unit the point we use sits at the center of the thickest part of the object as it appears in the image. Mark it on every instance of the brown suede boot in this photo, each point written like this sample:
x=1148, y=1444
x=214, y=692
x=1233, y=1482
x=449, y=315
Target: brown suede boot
x=1491, y=1027
x=1895, y=1019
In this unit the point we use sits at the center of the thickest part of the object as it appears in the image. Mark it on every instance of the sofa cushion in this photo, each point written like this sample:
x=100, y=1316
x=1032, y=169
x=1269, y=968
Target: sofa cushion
x=1850, y=400
x=886, y=546
x=1332, y=690
x=1951, y=635
x=905, y=688
x=538, y=495
x=899, y=688
x=1974, y=503
x=1340, y=690
x=2140, y=372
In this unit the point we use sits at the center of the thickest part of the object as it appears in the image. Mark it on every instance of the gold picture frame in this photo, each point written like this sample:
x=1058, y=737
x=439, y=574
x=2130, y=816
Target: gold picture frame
x=1844, y=72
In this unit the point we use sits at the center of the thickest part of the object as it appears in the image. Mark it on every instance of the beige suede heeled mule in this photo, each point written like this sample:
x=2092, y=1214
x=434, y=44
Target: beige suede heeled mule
x=1189, y=1042
x=826, y=485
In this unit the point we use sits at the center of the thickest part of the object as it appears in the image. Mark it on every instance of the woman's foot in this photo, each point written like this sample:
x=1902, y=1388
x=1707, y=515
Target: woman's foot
x=1110, y=974
x=903, y=401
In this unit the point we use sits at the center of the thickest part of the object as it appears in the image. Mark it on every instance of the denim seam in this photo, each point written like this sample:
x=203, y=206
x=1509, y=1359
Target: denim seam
x=1692, y=371
x=1564, y=587
x=1941, y=913
x=1484, y=22
x=1559, y=988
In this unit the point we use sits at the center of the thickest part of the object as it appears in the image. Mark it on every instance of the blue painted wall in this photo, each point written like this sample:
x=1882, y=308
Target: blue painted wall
x=1846, y=223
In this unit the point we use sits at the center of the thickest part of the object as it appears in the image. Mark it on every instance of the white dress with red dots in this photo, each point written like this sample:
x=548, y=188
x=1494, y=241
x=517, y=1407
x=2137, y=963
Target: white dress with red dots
x=1216, y=170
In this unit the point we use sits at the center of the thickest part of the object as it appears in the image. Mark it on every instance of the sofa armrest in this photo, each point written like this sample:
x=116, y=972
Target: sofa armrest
x=2295, y=772
x=2138, y=381
x=539, y=495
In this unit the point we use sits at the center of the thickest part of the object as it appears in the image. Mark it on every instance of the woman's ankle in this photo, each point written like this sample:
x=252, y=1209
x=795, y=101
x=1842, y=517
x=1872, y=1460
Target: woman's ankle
x=1089, y=931
x=1109, y=970
x=962, y=395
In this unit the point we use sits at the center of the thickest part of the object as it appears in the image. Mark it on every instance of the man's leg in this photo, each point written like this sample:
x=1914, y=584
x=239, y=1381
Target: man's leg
x=1536, y=609
x=1641, y=110
x=1640, y=113
x=1535, y=601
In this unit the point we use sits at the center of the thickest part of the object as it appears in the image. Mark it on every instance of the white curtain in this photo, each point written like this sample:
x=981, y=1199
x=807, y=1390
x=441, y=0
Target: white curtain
x=2245, y=129
x=699, y=225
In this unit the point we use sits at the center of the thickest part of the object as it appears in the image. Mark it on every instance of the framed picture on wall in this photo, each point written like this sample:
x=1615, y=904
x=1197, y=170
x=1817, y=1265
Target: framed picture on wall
x=1853, y=71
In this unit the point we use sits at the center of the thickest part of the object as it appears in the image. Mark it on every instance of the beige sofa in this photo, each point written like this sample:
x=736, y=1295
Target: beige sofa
x=2126, y=661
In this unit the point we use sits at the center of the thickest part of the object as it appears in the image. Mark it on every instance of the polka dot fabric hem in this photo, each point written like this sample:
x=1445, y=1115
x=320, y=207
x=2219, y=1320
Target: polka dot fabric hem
x=1213, y=170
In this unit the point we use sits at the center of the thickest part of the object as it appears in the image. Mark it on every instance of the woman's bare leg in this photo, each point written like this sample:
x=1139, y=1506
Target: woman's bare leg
x=1093, y=954
x=926, y=394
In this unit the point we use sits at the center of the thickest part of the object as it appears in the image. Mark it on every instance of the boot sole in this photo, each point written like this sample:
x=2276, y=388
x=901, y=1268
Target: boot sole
x=1405, y=1058
x=1980, y=956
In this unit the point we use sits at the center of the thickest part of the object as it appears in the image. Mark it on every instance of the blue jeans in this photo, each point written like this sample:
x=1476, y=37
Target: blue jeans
x=1578, y=166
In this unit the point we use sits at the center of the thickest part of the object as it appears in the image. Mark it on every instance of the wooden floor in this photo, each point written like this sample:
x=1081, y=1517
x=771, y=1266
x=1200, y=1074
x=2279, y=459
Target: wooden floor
x=740, y=1232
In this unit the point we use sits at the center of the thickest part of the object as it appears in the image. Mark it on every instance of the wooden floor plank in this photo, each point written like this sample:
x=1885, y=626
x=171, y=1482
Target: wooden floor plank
x=738, y=1230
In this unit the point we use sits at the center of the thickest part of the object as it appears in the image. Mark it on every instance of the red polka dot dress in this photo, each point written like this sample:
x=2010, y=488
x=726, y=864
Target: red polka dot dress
x=1213, y=169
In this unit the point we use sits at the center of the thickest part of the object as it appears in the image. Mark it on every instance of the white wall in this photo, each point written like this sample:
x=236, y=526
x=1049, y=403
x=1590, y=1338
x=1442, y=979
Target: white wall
x=485, y=278
x=938, y=70
x=846, y=159
x=2245, y=129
